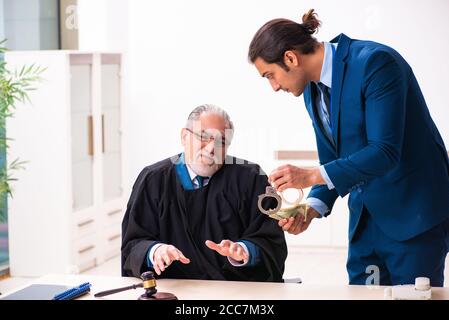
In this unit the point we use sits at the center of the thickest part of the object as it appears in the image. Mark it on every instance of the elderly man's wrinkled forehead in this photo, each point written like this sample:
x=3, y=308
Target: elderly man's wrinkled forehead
x=210, y=122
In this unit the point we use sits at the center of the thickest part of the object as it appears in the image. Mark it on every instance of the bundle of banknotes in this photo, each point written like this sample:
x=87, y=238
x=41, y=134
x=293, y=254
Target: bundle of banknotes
x=285, y=213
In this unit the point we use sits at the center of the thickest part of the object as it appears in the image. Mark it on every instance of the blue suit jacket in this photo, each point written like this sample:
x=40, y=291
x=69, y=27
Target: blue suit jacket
x=389, y=154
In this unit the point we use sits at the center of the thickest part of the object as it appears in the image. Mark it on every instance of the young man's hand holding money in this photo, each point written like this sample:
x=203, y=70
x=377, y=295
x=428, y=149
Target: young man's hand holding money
x=300, y=223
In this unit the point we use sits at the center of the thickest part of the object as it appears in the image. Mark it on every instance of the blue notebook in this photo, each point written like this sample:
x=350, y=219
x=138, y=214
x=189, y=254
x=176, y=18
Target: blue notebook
x=49, y=292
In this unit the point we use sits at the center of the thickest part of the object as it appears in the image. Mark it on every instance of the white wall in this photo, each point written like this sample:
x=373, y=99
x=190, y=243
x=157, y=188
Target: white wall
x=103, y=24
x=184, y=53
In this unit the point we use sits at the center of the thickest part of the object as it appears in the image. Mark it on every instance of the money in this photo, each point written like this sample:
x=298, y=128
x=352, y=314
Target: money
x=286, y=213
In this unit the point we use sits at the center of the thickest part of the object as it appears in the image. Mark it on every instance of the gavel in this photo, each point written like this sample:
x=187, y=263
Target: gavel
x=149, y=284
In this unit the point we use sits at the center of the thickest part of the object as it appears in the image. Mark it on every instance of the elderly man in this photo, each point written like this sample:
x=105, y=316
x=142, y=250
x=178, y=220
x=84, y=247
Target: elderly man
x=195, y=215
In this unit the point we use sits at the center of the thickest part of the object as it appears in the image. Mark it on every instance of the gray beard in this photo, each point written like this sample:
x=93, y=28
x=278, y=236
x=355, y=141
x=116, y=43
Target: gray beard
x=205, y=170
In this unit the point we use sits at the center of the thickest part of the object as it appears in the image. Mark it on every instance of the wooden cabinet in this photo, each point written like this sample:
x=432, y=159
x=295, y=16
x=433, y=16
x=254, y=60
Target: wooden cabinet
x=67, y=206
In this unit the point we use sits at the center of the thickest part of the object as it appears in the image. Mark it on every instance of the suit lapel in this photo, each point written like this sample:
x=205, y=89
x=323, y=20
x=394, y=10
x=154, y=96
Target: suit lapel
x=309, y=101
x=338, y=72
x=310, y=93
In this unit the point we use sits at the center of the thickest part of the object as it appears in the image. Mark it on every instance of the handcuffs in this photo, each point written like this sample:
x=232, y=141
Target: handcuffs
x=280, y=212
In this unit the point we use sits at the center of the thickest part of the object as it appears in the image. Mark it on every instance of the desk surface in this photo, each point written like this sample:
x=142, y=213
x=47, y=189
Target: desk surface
x=225, y=290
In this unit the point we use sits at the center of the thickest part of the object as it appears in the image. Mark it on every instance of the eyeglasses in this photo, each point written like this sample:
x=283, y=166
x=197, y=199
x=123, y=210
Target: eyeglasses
x=206, y=138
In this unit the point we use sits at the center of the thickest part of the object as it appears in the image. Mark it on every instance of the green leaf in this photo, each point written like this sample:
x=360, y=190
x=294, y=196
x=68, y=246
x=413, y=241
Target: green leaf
x=14, y=87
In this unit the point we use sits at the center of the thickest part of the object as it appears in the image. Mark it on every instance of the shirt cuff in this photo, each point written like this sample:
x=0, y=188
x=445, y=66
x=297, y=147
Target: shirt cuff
x=326, y=178
x=236, y=263
x=150, y=261
x=318, y=205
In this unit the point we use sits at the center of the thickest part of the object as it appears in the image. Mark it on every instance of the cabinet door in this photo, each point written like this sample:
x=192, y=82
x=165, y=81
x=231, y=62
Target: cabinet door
x=82, y=131
x=111, y=126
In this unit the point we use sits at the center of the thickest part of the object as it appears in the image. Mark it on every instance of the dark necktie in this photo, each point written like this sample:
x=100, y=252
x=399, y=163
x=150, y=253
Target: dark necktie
x=324, y=110
x=326, y=96
x=200, y=181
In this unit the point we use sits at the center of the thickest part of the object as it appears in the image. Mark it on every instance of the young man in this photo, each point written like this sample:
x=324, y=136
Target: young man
x=376, y=141
x=195, y=215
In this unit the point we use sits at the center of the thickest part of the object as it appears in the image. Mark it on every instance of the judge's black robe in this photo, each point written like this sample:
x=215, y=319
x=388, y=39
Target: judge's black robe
x=160, y=210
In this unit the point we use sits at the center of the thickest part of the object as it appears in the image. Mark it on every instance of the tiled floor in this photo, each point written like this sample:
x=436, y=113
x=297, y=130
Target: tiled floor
x=312, y=265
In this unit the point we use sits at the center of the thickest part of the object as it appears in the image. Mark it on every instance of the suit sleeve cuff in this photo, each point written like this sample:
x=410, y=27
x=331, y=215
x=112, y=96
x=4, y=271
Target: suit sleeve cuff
x=326, y=178
x=318, y=205
x=150, y=261
x=236, y=263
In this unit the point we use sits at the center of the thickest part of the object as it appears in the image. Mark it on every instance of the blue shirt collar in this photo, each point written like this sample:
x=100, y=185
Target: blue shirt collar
x=192, y=173
x=326, y=69
x=183, y=174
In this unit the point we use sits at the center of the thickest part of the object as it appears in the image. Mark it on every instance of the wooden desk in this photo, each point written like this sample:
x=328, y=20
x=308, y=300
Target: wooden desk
x=225, y=290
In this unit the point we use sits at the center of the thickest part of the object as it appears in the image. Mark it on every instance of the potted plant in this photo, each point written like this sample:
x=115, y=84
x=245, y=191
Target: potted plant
x=14, y=87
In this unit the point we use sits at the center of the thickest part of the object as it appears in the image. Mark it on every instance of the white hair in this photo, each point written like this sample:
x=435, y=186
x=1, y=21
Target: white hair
x=209, y=108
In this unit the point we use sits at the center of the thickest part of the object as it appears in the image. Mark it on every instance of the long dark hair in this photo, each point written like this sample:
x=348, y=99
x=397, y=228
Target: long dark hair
x=279, y=35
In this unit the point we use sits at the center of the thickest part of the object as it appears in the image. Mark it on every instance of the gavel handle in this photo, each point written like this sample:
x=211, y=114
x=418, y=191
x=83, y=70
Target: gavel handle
x=107, y=292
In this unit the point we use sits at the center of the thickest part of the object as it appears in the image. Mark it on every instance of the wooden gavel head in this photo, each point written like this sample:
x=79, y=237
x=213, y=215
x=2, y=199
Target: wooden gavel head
x=149, y=283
